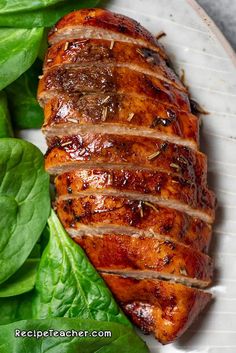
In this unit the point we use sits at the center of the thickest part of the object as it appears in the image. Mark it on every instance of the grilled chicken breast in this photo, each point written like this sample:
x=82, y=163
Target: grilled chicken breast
x=131, y=183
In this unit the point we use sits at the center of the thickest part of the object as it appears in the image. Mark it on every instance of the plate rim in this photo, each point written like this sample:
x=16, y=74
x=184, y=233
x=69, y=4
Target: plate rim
x=214, y=29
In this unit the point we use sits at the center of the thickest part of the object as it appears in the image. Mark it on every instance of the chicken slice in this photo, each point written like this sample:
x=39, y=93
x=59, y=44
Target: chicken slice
x=101, y=23
x=164, y=308
x=123, y=151
x=148, y=258
x=108, y=78
x=93, y=51
x=119, y=114
x=168, y=191
x=99, y=214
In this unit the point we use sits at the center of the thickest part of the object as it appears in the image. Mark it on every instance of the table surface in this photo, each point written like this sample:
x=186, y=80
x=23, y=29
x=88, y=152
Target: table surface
x=223, y=12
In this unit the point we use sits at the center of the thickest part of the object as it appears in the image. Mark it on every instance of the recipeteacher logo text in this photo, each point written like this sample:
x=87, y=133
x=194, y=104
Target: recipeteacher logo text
x=61, y=333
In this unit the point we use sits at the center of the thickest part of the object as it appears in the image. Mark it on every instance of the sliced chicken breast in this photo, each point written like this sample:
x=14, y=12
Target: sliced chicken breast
x=131, y=183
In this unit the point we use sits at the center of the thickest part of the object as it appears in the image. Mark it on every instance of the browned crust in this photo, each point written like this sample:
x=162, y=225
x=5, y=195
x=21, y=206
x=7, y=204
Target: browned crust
x=129, y=151
x=107, y=20
x=140, y=183
x=109, y=79
x=127, y=172
x=138, y=116
x=97, y=212
x=160, y=307
x=148, y=257
x=93, y=51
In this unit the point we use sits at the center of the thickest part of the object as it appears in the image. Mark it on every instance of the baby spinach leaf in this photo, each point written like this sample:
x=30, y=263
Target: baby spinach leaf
x=24, y=202
x=44, y=239
x=41, y=244
x=25, y=110
x=5, y=122
x=36, y=251
x=18, y=50
x=15, y=308
x=9, y=6
x=45, y=17
x=22, y=281
x=68, y=285
x=43, y=46
x=123, y=339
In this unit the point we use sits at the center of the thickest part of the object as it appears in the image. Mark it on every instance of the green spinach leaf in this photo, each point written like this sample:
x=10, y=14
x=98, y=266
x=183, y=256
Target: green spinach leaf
x=45, y=17
x=43, y=46
x=5, y=122
x=15, y=309
x=123, y=339
x=41, y=244
x=44, y=239
x=22, y=281
x=18, y=50
x=25, y=110
x=9, y=6
x=68, y=285
x=24, y=202
x=36, y=251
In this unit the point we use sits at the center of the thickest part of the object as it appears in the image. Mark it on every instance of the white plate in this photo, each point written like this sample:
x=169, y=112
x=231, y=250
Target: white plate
x=196, y=45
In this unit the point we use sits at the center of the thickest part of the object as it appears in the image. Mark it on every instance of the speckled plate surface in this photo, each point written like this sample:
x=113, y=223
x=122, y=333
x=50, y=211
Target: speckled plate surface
x=196, y=46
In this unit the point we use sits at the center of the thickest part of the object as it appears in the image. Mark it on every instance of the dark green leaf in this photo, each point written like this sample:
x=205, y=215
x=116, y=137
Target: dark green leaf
x=68, y=285
x=24, y=202
x=9, y=6
x=15, y=309
x=45, y=17
x=44, y=239
x=43, y=46
x=36, y=251
x=22, y=281
x=25, y=110
x=39, y=247
x=18, y=50
x=5, y=121
x=123, y=339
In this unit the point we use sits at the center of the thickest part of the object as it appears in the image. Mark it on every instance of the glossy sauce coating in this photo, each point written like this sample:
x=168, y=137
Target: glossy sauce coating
x=162, y=307
x=122, y=253
x=99, y=212
x=65, y=114
x=126, y=28
x=131, y=183
x=90, y=51
x=127, y=150
x=109, y=79
x=161, y=185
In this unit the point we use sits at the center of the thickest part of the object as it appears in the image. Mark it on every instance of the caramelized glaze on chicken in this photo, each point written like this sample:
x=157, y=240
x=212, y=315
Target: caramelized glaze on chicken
x=123, y=145
x=162, y=307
